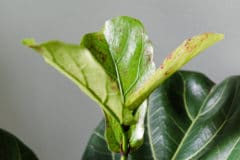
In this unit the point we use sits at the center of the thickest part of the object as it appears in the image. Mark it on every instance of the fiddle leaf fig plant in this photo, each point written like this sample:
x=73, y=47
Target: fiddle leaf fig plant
x=115, y=68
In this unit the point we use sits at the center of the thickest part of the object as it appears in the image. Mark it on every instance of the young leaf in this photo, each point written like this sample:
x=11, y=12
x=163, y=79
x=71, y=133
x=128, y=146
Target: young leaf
x=78, y=63
x=185, y=52
x=124, y=50
x=80, y=66
x=136, y=131
x=107, y=65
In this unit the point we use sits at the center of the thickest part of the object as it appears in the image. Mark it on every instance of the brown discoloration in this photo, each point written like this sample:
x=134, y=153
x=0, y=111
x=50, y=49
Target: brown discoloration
x=39, y=49
x=161, y=66
x=205, y=36
x=102, y=56
x=107, y=126
x=189, y=40
x=169, y=56
x=189, y=46
x=167, y=73
x=149, y=58
x=99, y=37
x=122, y=153
x=114, y=86
x=117, y=50
x=119, y=30
x=194, y=46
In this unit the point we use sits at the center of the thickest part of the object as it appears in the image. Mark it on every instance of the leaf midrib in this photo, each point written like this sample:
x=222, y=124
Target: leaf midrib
x=149, y=133
x=137, y=74
x=119, y=82
x=184, y=98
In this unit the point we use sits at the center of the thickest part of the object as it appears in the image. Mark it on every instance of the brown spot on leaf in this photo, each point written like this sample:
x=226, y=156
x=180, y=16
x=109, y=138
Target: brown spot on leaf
x=168, y=72
x=102, y=56
x=114, y=86
x=205, y=36
x=161, y=66
x=117, y=50
x=169, y=56
x=39, y=49
x=188, y=40
x=149, y=58
x=99, y=37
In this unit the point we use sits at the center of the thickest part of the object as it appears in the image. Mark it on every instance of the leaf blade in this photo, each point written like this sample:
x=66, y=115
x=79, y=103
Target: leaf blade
x=221, y=104
x=63, y=57
x=107, y=65
x=158, y=144
x=185, y=52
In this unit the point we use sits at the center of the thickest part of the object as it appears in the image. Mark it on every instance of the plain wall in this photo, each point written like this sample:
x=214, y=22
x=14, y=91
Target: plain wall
x=45, y=109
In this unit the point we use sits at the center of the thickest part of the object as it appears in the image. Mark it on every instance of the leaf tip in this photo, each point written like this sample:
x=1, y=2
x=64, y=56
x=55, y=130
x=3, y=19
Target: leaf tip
x=29, y=42
x=219, y=36
x=216, y=36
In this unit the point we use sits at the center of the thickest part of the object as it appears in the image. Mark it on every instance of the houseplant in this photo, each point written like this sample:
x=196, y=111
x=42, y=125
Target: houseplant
x=185, y=115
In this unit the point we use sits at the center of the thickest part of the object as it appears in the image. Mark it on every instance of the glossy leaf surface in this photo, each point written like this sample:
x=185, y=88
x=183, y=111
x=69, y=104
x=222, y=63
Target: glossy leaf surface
x=115, y=68
x=180, y=56
x=11, y=148
x=188, y=118
x=107, y=65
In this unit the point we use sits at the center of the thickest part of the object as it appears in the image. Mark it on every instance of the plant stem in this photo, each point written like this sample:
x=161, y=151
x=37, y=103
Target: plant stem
x=123, y=157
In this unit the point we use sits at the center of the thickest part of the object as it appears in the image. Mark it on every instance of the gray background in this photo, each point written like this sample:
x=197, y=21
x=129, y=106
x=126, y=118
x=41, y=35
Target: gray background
x=45, y=109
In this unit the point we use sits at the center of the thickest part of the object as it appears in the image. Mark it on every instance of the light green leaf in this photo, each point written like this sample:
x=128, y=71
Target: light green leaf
x=180, y=56
x=80, y=66
x=78, y=63
x=107, y=66
x=136, y=131
x=124, y=50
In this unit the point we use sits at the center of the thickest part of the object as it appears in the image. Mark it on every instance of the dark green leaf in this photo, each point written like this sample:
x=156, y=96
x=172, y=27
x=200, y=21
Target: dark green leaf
x=11, y=148
x=219, y=111
x=189, y=118
x=168, y=117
